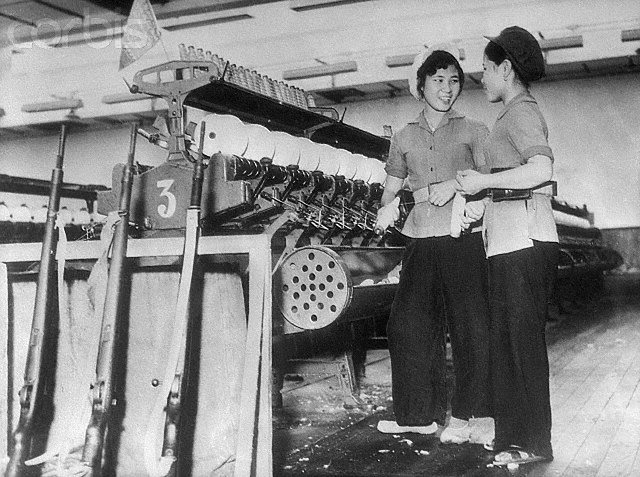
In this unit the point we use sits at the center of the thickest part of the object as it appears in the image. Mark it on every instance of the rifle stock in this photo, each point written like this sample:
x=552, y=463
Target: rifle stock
x=31, y=392
x=102, y=388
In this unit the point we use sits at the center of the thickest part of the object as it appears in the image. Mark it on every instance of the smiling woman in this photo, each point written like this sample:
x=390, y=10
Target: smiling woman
x=426, y=154
x=440, y=83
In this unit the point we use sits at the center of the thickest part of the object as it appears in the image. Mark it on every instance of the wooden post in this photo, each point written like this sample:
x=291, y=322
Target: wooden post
x=255, y=407
x=4, y=363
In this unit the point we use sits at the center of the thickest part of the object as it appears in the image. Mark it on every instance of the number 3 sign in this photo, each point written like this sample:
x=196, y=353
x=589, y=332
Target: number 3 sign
x=166, y=211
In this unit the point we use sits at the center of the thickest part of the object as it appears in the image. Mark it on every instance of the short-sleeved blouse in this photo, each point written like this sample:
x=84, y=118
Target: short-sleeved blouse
x=424, y=157
x=520, y=132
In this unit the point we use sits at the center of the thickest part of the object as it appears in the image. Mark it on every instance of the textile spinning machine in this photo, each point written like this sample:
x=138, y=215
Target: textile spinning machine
x=311, y=181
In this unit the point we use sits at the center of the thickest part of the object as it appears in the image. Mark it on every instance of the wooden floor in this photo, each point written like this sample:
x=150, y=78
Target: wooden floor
x=594, y=359
x=594, y=353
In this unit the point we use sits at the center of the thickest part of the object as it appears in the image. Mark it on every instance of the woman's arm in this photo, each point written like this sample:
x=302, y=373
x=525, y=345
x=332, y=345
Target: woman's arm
x=538, y=170
x=392, y=186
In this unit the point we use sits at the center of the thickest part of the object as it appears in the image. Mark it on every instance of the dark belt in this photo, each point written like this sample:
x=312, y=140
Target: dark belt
x=498, y=195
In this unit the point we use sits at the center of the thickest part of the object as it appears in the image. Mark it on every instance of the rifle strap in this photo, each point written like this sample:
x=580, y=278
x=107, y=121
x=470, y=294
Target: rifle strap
x=100, y=271
x=4, y=331
x=61, y=255
x=157, y=465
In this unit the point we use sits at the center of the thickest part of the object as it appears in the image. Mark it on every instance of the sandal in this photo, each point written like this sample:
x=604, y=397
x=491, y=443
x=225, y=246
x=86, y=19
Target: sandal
x=516, y=455
x=392, y=427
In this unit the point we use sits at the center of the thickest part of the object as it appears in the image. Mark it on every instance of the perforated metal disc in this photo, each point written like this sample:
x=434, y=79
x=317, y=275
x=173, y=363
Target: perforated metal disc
x=312, y=287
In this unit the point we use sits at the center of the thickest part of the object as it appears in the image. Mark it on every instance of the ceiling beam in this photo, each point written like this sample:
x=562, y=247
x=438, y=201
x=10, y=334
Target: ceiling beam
x=66, y=11
x=630, y=35
x=322, y=70
x=574, y=41
x=52, y=105
x=198, y=7
x=123, y=7
x=16, y=19
x=305, y=5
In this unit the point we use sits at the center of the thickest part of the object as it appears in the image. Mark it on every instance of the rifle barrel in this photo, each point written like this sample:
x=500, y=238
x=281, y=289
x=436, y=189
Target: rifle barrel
x=103, y=385
x=30, y=394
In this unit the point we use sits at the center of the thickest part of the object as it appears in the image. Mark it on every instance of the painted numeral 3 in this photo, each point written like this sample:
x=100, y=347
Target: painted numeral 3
x=169, y=209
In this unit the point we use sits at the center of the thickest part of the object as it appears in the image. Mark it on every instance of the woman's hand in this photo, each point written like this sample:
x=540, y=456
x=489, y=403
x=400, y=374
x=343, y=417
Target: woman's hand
x=387, y=216
x=470, y=182
x=442, y=192
x=473, y=211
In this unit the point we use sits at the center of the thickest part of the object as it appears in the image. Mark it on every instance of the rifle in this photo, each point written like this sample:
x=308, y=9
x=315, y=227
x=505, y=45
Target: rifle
x=175, y=398
x=103, y=386
x=31, y=392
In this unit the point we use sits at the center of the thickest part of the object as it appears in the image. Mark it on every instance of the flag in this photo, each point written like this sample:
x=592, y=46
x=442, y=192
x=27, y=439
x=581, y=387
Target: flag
x=140, y=33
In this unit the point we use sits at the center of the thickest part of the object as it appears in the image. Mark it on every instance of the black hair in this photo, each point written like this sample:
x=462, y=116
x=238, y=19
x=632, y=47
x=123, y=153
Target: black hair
x=439, y=59
x=497, y=55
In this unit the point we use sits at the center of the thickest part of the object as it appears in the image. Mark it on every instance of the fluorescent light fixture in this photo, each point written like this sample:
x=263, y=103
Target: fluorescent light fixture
x=123, y=98
x=561, y=43
x=407, y=60
x=630, y=35
x=321, y=70
x=399, y=60
x=302, y=5
x=83, y=40
x=52, y=105
x=205, y=22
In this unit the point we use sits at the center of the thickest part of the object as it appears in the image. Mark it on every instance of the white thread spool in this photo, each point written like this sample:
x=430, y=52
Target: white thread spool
x=562, y=218
x=329, y=159
x=81, y=216
x=40, y=215
x=309, y=154
x=287, y=149
x=261, y=143
x=65, y=215
x=21, y=214
x=223, y=134
x=378, y=174
x=364, y=168
x=348, y=164
x=5, y=213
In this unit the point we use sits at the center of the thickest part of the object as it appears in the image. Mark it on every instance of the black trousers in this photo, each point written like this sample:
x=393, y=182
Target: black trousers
x=456, y=270
x=519, y=294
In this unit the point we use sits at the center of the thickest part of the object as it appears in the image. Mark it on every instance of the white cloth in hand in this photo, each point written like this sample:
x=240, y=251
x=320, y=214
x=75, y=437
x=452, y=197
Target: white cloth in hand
x=457, y=215
x=388, y=214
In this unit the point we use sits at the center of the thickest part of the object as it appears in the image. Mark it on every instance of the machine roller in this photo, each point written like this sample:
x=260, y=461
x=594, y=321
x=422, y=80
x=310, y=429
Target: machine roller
x=316, y=286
